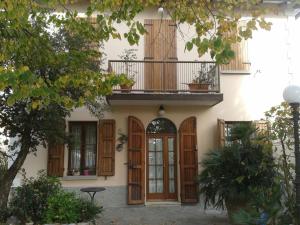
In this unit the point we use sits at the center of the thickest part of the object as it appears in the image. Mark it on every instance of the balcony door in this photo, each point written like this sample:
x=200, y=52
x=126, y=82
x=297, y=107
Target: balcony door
x=161, y=160
x=161, y=52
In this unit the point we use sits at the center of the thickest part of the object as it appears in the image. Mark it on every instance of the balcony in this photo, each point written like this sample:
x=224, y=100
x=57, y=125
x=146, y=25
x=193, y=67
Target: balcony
x=166, y=82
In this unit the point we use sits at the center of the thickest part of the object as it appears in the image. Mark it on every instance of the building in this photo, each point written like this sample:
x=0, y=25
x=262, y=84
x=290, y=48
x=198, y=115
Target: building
x=148, y=146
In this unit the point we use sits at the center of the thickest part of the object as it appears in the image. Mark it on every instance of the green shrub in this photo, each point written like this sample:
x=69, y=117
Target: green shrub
x=65, y=207
x=88, y=210
x=30, y=199
x=42, y=200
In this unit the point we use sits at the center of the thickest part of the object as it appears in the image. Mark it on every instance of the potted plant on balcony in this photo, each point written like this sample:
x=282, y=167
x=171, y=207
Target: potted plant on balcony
x=127, y=78
x=127, y=82
x=201, y=81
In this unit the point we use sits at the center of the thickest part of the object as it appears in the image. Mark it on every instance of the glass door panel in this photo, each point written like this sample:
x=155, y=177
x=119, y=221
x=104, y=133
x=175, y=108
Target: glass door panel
x=171, y=164
x=155, y=165
x=161, y=167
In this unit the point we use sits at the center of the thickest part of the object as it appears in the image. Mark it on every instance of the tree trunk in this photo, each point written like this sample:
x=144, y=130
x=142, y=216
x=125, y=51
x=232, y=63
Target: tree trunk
x=7, y=179
x=5, y=186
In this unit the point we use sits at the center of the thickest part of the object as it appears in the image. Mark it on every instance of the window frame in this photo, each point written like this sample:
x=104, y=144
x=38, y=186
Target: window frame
x=83, y=124
x=227, y=142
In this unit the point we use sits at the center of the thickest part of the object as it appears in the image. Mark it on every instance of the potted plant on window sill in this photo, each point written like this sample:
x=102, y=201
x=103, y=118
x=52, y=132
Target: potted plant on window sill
x=86, y=172
x=127, y=82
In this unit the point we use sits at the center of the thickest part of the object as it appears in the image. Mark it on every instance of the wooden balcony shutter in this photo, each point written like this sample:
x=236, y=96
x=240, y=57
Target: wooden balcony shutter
x=136, y=161
x=188, y=160
x=55, y=165
x=221, y=133
x=106, y=146
x=160, y=45
x=240, y=63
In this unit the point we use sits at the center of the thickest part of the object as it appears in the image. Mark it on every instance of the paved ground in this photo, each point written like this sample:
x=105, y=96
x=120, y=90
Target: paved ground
x=162, y=215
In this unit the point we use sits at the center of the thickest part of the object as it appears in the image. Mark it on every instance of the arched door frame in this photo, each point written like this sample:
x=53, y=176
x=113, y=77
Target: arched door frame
x=165, y=136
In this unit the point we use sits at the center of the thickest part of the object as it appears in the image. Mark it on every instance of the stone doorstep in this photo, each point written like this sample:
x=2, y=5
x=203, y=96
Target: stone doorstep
x=162, y=203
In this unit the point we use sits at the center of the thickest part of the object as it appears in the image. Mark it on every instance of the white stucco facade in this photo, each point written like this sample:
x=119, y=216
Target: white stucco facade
x=274, y=64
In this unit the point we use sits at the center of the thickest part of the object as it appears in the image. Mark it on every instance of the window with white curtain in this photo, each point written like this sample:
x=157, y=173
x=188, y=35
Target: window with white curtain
x=83, y=148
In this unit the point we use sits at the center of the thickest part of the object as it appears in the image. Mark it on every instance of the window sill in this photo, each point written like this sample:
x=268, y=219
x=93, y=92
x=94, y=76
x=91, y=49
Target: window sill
x=89, y=177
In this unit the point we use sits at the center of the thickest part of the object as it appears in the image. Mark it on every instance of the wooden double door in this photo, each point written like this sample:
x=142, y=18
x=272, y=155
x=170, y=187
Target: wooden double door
x=161, y=167
x=154, y=149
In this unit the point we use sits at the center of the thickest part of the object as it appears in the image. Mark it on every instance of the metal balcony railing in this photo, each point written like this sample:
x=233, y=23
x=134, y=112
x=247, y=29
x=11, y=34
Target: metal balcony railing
x=167, y=76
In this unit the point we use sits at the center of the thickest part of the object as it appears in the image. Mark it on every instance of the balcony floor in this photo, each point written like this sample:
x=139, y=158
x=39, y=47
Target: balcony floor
x=197, y=99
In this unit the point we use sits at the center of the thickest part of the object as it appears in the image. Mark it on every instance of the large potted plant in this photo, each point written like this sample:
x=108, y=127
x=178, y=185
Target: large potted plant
x=230, y=174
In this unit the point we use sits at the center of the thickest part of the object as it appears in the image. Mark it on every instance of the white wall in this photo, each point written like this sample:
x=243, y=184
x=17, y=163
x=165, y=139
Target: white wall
x=274, y=64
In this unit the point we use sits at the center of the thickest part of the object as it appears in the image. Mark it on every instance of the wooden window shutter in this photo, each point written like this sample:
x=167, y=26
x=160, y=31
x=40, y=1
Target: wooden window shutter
x=136, y=161
x=151, y=70
x=93, y=21
x=149, y=40
x=106, y=146
x=188, y=160
x=261, y=126
x=161, y=45
x=240, y=63
x=221, y=133
x=55, y=165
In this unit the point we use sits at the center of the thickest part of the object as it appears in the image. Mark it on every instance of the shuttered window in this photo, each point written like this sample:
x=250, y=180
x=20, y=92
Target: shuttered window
x=225, y=130
x=83, y=148
x=106, y=157
x=240, y=63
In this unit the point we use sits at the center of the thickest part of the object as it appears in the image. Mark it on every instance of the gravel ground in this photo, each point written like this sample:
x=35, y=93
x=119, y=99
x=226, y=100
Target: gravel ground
x=162, y=215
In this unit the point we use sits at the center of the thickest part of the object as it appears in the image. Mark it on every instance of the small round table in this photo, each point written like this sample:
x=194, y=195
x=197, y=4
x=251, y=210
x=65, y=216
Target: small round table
x=92, y=191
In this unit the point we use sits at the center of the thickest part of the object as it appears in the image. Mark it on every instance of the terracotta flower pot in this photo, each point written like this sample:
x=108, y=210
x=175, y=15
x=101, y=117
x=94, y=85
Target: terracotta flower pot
x=126, y=88
x=198, y=87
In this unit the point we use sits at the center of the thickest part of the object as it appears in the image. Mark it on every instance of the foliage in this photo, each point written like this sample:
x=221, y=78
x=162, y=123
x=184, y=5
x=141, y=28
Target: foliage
x=281, y=134
x=122, y=139
x=205, y=75
x=279, y=204
x=42, y=199
x=65, y=207
x=48, y=67
x=128, y=55
x=234, y=171
x=88, y=211
x=126, y=80
x=30, y=199
x=263, y=206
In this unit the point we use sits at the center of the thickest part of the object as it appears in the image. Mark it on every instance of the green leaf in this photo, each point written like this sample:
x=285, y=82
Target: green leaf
x=189, y=46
